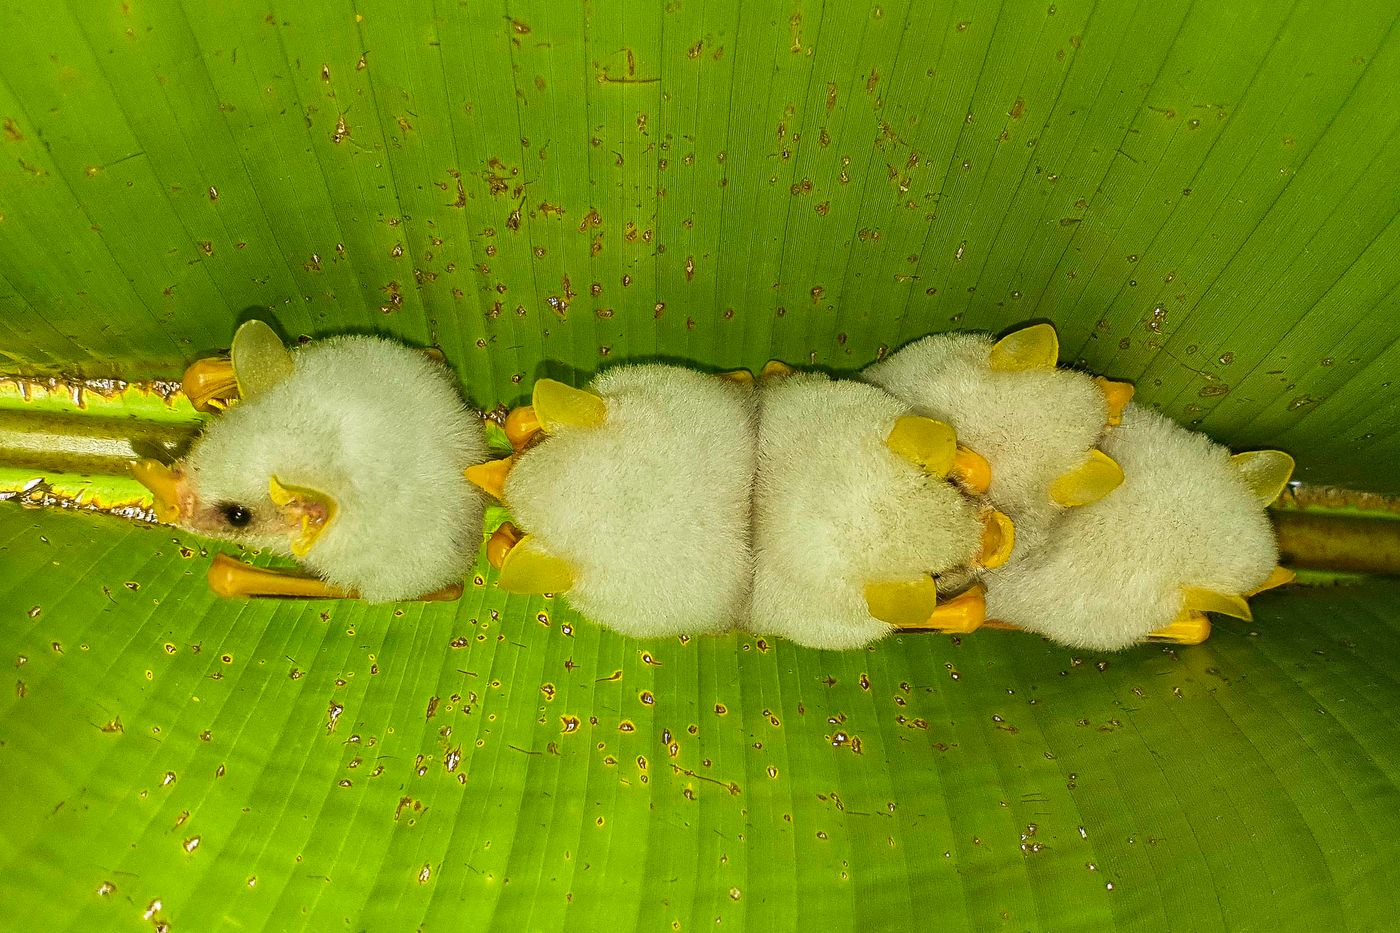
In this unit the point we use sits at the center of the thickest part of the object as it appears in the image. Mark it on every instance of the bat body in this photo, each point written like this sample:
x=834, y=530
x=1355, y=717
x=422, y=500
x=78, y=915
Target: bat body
x=646, y=512
x=1186, y=531
x=352, y=462
x=837, y=510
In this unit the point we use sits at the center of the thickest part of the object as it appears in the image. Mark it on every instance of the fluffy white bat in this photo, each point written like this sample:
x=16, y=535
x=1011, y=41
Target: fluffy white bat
x=633, y=499
x=854, y=515
x=348, y=455
x=1185, y=533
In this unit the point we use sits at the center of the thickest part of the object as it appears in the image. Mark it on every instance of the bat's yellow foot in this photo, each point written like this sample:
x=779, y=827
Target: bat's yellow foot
x=1227, y=604
x=1089, y=482
x=1190, y=628
x=529, y=568
x=521, y=426
x=931, y=445
x=233, y=578
x=902, y=603
x=1116, y=397
x=960, y=615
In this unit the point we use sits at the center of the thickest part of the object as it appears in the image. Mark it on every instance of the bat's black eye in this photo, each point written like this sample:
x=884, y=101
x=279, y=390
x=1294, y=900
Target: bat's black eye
x=237, y=515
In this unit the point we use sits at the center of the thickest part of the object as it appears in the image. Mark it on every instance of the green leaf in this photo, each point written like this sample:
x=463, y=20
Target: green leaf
x=308, y=765
x=1201, y=197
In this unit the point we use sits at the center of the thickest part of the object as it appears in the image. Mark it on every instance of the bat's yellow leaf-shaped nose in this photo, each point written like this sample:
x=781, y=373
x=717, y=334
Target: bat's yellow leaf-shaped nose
x=164, y=483
x=902, y=603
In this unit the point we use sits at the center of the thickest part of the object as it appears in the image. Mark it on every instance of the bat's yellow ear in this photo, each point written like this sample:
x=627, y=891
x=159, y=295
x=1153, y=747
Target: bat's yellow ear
x=259, y=359
x=928, y=444
x=528, y=568
x=902, y=603
x=1034, y=347
x=1089, y=482
x=308, y=511
x=558, y=405
x=1266, y=472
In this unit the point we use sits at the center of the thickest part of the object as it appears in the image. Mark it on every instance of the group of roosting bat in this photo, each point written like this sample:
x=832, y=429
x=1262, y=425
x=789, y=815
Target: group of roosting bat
x=960, y=481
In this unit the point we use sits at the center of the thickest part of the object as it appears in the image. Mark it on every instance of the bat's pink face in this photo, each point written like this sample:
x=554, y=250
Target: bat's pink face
x=253, y=519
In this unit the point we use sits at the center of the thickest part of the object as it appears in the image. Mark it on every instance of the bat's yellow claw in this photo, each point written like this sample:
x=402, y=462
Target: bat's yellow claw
x=1203, y=600
x=1279, y=577
x=1034, y=347
x=972, y=470
x=557, y=405
x=490, y=476
x=1265, y=471
x=1189, y=628
x=1116, y=396
x=930, y=445
x=259, y=359
x=902, y=603
x=1089, y=482
x=998, y=539
x=529, y=568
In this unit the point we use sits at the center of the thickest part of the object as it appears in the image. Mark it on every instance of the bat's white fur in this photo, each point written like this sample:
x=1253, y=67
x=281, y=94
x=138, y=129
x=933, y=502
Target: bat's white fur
x=1031, y=425
x=651, y=508
x=1110, y=572
x=379, y=428
x=835, y=509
